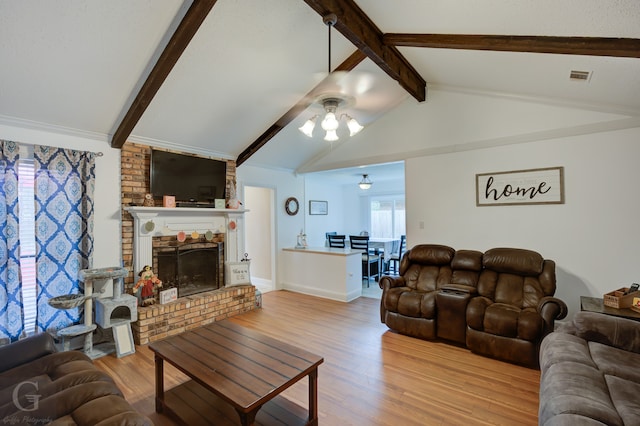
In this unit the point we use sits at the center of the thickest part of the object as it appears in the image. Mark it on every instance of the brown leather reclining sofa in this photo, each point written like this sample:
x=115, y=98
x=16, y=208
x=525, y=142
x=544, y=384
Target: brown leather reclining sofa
x=39, y=385
x=498, y=303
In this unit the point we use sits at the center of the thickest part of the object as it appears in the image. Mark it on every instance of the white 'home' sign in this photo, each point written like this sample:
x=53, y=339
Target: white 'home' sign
x=533, y=186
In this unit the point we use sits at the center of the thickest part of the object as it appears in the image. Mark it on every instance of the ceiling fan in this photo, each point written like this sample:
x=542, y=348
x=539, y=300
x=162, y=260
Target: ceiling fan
x=337, y=93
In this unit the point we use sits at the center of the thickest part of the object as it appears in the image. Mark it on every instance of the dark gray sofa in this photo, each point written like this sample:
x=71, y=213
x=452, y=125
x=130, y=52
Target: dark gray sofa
x=590, y=372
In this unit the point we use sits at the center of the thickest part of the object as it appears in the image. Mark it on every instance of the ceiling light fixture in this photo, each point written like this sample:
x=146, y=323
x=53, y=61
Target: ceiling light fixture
x=331, y=120
x=365, y=183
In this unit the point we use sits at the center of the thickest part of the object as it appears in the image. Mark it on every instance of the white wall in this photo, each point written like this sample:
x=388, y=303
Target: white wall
x=285, y=184
x=348, y=205
x=319, y=188
x=107, y=233
x=593, y=237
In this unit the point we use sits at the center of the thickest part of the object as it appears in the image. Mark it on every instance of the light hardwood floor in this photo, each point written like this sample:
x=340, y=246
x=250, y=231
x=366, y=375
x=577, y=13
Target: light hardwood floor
x=370, y=375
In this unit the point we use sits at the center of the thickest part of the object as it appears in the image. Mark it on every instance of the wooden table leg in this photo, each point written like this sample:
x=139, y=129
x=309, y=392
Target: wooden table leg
x=159, y=383
x=248, y=419
x=313, y=397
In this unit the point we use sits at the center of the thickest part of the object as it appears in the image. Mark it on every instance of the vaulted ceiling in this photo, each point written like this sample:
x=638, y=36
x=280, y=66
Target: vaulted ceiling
x=234, y=78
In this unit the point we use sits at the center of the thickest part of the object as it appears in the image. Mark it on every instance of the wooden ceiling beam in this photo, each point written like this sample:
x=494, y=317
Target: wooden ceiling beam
x=592, y=46
x=179, y=41
x=360, y=30
x=349, y=64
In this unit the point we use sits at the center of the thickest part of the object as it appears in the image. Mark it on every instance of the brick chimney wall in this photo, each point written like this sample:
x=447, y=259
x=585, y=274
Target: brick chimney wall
x=156, y=322
x=135, y=183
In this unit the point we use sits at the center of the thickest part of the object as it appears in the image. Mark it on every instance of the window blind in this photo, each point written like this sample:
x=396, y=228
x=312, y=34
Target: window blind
x=27, y=214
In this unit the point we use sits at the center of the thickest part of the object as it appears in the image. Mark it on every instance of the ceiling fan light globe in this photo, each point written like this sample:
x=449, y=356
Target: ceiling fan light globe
x=354, y=126
x=330, y=122
x=331, y=136
x=308, y=126
x=365, y=183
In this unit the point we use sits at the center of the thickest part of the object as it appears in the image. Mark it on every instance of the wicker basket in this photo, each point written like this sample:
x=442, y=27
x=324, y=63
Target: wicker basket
x=618, y=299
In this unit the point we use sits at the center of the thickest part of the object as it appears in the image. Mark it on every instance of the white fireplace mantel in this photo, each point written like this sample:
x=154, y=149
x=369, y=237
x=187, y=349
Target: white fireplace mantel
x=149, y=222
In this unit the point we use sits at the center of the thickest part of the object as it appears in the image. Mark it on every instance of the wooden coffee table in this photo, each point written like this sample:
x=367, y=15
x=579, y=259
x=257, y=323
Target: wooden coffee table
x=234, y=370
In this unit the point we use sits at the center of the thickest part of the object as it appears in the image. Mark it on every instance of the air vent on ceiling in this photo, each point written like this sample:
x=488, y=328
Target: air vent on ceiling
x=579, y=75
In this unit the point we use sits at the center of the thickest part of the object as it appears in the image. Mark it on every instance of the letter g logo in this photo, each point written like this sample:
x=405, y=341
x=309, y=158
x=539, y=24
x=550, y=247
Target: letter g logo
x=34, y=399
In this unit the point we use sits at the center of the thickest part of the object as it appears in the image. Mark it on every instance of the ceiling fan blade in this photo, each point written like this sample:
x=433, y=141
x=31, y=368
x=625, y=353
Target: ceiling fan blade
x=353, y=84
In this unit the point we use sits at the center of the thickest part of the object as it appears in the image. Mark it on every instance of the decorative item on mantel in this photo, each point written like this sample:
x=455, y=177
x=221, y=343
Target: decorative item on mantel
x=233, y=203
x=148, y=200
x=168, y=201
x=301, y=242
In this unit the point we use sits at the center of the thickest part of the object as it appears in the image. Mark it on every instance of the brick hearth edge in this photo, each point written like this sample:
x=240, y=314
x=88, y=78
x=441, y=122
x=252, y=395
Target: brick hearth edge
x=159, y=321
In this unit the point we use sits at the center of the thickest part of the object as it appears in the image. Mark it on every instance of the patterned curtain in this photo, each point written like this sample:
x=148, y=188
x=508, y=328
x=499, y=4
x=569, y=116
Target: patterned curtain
x=11, y=318
x=64, y=184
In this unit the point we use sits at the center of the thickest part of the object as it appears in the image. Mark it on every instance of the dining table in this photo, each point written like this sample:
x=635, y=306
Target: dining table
x=387, y=246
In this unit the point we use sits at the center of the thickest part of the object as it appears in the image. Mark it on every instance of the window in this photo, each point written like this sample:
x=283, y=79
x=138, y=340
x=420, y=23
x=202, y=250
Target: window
x=27, y=213
x=387, y=216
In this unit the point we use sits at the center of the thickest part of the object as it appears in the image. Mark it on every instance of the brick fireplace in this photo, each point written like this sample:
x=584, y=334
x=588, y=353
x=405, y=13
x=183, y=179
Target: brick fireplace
x=148, y=232
x=166, y=226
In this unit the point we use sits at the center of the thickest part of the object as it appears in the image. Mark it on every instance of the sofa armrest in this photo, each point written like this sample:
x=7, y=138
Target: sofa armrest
x=389, y=281
x=26, y=350
x=551, y=309
x=613, y=331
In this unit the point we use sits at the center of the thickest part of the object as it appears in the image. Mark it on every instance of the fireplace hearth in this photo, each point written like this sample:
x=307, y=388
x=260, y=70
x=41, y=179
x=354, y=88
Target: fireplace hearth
x=190, y=267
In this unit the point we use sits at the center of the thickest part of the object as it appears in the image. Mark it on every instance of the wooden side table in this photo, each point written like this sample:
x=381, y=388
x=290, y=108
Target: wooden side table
x=596, y=304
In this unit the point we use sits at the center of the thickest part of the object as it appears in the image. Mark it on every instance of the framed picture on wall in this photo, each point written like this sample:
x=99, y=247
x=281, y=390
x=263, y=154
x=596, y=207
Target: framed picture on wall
x=318, y=207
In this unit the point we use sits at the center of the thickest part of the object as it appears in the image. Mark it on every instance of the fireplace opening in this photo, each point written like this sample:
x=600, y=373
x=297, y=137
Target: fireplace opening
x=192, y=268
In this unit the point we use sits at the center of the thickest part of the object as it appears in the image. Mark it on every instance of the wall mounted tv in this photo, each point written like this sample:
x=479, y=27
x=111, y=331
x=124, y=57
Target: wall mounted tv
x=190, y=179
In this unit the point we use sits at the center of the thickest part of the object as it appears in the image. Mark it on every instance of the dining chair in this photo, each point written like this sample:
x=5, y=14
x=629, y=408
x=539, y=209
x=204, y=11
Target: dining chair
x=337, y=241
x=386, y=256
x=370, y=262
x=326, y=237
x=396, y=257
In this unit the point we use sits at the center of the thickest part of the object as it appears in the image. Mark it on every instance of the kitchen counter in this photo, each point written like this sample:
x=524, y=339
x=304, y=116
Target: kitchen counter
x=332, y=273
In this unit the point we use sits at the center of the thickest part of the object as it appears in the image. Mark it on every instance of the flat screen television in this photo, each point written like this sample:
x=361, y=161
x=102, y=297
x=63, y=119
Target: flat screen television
x=190, y=179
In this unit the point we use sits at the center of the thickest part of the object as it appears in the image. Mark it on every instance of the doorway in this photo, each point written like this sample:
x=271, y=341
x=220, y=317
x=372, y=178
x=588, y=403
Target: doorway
x=259, y=235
